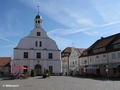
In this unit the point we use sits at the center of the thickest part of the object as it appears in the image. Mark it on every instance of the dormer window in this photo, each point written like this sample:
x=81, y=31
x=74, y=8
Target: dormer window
x=116, y=46
x=38, y=34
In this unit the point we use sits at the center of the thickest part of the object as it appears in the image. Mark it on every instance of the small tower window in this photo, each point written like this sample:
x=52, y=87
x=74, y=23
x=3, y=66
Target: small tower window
x=38, y=34
x=40, y=44
x=36, y=43
x=38, y=21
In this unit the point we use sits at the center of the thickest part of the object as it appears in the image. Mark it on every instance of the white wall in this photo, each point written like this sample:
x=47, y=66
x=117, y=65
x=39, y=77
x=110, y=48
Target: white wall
x=101, y=60
x=116, y=59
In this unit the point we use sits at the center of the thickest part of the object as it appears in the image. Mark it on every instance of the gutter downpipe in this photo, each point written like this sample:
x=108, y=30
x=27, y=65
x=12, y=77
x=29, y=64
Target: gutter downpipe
x=107, y=67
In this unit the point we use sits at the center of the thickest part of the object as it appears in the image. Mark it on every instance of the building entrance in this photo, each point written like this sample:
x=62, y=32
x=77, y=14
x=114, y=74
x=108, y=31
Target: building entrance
x=38, y=69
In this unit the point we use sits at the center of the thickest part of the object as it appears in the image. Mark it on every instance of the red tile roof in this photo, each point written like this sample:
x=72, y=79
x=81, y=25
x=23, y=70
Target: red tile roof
x=4, y=61
x=104, y=41
x=69, y=49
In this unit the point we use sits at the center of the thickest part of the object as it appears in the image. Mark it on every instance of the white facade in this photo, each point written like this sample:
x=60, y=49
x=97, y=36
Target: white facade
x=73, y=60
x=94, y=60
x=37, y=51
x=114, y=57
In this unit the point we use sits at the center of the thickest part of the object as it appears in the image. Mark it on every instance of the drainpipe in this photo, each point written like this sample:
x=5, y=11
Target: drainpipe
x=108, y=65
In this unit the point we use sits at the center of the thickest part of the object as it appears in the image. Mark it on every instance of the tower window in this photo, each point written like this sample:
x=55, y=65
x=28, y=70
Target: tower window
x=38, y=21
x=40, y=44
x=36, y=43
x=38, y=34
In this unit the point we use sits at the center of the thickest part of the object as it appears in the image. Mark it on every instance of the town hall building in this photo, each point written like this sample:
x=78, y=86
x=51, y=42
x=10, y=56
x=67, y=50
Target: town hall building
x=37, y=51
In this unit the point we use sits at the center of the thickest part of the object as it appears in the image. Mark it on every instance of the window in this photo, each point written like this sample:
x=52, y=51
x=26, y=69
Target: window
x=40, y=44
x=38, y=21
x=25, y=70
x=38, y=34
x=25, y=55
x=104, y=57
x=113, y=56
x=38, y=55
x=51, y=69
x=116, y=46
x=97, y=57
x=50, y=56
x=36, y=43
x=75, y=62
x=119, y=55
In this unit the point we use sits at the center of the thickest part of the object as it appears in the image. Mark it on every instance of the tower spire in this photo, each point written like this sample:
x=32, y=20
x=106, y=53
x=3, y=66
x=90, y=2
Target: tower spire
x=38, y=10
x=38, y=20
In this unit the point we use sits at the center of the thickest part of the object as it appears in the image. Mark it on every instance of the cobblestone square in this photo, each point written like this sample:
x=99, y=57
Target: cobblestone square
x=59, y=83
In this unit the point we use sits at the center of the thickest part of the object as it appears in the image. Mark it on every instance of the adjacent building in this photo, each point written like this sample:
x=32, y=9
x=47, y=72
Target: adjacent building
x=5, y=67
x=70, y=58
x=102, y=58
x=37, y=51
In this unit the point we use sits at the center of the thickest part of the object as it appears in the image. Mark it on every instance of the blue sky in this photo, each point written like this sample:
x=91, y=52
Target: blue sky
x=81, y=22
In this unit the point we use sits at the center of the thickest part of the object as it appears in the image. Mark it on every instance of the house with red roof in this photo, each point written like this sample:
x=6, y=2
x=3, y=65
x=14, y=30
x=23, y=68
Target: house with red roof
x=5, y=67
x=70, y=58
x=102, y=58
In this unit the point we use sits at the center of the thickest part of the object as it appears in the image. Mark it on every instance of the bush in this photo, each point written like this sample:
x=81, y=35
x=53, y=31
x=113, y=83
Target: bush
x=48, y=73
x=33, y=74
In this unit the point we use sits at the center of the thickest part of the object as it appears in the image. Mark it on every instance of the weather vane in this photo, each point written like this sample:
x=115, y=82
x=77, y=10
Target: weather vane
x=38, y=10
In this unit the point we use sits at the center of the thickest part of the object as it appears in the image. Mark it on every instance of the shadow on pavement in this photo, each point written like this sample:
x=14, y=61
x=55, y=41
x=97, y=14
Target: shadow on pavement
x=98, y=78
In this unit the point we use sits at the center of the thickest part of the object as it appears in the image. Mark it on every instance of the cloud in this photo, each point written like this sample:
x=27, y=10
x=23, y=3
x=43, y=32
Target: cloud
x=5, y=39
x=68, y=12
x=97, y=30
x=78, y=16
x=62, y=42
x=109, y=10
x=91, y=17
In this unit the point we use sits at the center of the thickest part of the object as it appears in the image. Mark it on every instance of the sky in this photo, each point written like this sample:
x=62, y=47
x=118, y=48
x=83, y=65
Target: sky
x=77, y=23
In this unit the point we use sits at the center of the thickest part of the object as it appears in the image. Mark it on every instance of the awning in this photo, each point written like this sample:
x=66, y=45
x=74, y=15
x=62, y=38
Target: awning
x=113, y=65
x=92, y=67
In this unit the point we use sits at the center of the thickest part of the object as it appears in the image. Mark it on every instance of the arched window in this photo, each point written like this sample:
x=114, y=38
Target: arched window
x=38, y=21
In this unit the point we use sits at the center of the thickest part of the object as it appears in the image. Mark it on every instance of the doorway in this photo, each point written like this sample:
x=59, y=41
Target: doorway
x=38, y=69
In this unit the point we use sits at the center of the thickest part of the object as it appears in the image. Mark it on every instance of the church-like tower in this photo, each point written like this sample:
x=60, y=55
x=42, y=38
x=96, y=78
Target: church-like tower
x=38, y=20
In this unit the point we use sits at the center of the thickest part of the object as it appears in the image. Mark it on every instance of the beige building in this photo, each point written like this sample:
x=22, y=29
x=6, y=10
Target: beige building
x=102, y=58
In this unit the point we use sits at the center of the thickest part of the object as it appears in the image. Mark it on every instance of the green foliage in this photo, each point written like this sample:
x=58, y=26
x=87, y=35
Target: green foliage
x=33, y=73
x=48, y=73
